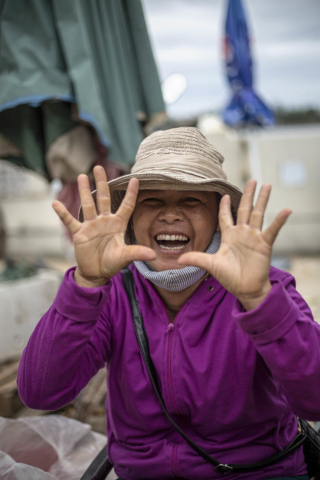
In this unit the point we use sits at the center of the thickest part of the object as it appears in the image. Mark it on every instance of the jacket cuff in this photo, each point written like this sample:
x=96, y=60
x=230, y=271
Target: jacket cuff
x=271, y=319
x=80, y=303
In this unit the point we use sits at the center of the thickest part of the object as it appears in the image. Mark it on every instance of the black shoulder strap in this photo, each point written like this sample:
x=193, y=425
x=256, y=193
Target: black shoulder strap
x=144, y=347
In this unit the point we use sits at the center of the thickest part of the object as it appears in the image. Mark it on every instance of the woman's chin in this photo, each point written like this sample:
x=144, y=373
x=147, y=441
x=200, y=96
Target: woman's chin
x=160, y=265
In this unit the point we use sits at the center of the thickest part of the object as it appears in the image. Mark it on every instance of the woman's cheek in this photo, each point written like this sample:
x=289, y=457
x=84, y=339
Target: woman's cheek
x=142, y=222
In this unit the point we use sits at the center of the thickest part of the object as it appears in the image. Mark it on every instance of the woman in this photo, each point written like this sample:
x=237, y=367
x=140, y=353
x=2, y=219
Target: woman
x=234, y=345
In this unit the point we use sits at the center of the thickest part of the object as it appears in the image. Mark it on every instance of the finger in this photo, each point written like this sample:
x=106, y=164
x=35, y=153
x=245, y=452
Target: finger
x=195, y=259
x=246, y=202
x=271, y=232
x=129, y=202
x=132, y=253
x=65, y=216
x=225, y=216
x=87, y=202
x=257, y=214
x=103, y=193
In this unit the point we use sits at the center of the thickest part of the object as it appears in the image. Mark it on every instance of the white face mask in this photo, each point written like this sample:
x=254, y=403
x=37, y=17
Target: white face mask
x=181, y=278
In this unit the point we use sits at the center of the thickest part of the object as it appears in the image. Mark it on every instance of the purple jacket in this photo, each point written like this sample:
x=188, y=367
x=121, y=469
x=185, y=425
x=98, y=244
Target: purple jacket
x=233, y=380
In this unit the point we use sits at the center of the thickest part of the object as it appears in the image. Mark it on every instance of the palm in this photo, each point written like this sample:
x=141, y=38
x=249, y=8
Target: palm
x=242, y=262
x=93, y=246
x=99, y=242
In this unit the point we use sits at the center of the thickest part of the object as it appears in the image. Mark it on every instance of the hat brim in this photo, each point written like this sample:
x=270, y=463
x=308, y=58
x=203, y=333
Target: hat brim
x=157, y=181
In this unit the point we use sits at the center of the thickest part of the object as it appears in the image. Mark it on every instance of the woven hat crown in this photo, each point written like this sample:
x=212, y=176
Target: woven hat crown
x=176, y=159
x=182, y=150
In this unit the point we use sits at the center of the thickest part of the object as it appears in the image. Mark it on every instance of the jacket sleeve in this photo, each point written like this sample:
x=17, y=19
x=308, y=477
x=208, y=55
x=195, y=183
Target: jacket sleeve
x=68, y=346
x=284, y=333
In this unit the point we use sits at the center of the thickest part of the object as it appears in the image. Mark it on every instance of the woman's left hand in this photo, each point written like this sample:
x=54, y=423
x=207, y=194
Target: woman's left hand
x=242, y=262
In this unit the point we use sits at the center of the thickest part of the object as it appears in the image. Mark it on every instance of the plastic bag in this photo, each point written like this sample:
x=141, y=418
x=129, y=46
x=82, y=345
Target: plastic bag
x=10, y=470
x=51, y=447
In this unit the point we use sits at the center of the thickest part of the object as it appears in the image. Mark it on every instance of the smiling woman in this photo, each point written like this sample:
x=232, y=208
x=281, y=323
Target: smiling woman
x=227, y=333
x=173, y=222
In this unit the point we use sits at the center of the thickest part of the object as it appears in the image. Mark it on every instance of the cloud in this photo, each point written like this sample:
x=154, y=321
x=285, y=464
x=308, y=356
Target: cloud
x=291, y=52
x=188, y=55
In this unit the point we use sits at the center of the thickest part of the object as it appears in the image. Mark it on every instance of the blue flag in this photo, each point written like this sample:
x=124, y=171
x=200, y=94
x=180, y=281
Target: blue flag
x=245, y=107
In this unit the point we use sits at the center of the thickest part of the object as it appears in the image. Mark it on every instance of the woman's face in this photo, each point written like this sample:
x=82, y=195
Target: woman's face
x=174, y=222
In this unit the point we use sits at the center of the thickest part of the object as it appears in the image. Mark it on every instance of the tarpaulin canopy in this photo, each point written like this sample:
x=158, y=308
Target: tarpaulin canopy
x=245, y=107
x=65, y=63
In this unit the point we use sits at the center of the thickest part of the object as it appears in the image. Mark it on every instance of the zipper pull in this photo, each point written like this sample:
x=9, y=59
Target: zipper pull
x=170, y=327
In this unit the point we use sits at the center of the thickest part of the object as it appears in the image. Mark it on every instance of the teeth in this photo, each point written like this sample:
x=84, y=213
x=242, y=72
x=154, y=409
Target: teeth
x=172, y=248
x=173, y=238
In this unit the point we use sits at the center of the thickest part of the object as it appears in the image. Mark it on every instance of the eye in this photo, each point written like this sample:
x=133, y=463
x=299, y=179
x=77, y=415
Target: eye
x=191, y=201
x=152, y=201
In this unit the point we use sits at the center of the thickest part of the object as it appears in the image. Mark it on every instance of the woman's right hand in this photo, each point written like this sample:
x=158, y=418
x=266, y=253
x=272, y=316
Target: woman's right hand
x=99, y=242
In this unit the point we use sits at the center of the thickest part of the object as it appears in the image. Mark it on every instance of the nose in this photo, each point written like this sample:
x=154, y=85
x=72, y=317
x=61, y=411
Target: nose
x=170, y=214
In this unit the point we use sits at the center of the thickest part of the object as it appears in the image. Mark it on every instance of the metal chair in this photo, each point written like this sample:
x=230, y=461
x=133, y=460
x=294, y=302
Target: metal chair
x=100, y=468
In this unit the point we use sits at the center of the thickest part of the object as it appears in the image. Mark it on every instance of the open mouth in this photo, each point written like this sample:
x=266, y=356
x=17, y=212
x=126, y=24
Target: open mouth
x=172, y=242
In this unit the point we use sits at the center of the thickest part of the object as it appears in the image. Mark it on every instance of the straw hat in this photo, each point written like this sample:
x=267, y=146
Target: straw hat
x=176, y=159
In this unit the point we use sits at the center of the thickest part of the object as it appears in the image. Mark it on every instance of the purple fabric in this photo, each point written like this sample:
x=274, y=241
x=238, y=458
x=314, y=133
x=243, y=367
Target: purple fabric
x=233, y=380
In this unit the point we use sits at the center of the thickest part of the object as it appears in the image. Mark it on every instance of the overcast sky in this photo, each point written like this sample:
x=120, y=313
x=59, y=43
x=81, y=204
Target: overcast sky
x=186, y=36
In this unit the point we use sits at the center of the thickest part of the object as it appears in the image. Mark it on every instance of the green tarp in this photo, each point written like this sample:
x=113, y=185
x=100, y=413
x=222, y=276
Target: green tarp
x=94, y=53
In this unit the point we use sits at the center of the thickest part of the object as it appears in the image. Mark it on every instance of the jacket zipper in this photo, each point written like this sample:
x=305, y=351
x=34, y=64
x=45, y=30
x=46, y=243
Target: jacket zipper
x=174, y=454
x=174, y=461
x=171, y=328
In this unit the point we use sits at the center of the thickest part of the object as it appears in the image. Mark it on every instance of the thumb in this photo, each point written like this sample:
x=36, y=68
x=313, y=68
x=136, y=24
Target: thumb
x=196, y=259
x=133, y=253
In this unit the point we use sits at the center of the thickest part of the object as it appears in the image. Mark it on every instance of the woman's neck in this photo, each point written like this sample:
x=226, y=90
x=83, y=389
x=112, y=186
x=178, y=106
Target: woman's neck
x=173, y=301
